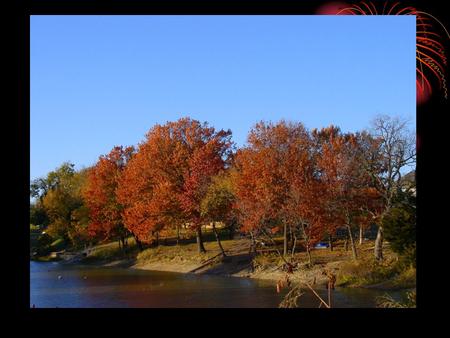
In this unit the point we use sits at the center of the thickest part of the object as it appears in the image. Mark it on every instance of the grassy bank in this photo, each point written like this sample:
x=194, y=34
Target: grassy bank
x=388, y=274
x=267, y=264
x=41, y=247
x=171, y=257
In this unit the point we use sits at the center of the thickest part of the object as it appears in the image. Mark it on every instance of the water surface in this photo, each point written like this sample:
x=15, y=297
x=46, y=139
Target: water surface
x=66, y=286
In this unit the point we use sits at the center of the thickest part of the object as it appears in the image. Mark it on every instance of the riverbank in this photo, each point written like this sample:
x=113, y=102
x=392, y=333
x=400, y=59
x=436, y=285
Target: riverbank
x=81, y=286
x=266, y=265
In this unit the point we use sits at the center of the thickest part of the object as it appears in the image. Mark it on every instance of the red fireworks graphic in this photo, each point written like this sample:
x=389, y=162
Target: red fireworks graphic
x=430, y=52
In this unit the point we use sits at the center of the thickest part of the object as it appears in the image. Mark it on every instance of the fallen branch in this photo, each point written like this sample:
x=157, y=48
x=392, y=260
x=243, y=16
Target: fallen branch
x=290, y=300
x=317, y=295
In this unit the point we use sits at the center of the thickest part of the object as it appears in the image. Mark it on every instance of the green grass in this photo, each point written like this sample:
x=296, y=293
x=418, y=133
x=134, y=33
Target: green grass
x=391, y=273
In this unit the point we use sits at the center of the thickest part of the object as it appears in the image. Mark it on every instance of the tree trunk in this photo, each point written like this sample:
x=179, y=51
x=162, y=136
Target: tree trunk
x=361, y=233
x=308, y=251
x=290, y=238
x=293, y=245
x=352, y=242
x=306, y=239
x=253, y=243
x=346, y=243
x=218, y=239
x=138, y=242
x=330, y=241
x=231, y=231
x=285, y=242
x=201, y=248
x=379, y=244
x=178, y=234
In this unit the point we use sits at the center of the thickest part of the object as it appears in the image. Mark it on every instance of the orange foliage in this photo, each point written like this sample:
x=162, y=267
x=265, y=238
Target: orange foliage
x=165, y=181
x=100, y=194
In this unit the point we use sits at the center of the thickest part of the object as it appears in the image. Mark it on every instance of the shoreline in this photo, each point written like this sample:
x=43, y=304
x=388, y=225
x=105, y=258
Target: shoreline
x=239, y=262
x=299, y=276
x=190, y=268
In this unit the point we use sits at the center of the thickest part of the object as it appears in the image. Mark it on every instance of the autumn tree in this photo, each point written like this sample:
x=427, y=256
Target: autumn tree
x=217, y=203
x=149, y=185
x=38, y=215
x=307, y=196
x=39, y=187
x=165, y=182
x=391, y=152
x=262, y=185
x=372, y=205
x=105, y=211
x=344, y=180
x=249, y=206
x=63, y=200
x=79, y=234
x=209, y=154
x=271, y=180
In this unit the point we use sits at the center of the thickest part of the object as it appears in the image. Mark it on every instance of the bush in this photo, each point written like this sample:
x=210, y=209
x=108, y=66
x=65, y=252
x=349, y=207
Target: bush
x=38, y=215
x=391, y=273
x=367, y=272
x=400, y=230
x=44, y=240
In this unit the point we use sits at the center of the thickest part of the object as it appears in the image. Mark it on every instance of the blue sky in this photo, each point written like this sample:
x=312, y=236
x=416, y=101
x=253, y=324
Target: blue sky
x=101, y=81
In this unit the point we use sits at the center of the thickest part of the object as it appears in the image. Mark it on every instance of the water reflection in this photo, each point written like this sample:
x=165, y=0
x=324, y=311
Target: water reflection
x=84, y=286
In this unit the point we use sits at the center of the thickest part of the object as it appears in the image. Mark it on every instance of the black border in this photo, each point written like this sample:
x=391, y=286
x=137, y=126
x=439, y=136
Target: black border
x=431, y=130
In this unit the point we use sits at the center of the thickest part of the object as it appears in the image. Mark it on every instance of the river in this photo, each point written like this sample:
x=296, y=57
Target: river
x=75, y=286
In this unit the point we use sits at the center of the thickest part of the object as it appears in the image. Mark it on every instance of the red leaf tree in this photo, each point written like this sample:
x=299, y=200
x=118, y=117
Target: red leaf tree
x=105, y=210
x=347, y=193
x=165, y=182
x=272, y=179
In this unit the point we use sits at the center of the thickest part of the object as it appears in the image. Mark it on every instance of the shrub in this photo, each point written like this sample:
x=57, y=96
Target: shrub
x=44, y=240
x=366, y=272
x=400, y=230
